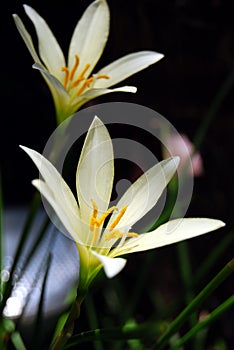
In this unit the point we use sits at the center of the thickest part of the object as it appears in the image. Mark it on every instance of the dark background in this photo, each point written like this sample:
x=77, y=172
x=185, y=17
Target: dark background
x=197, y=39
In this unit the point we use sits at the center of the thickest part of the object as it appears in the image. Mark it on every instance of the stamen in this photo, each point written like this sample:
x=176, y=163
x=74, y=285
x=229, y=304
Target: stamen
x=77, y=60
x=103, y=76
x=94, y=215
x=132, y=234
x=84, y=85
x=81, y=76
x=116, y=234
x=95, y=234
x=95, y=208
x=96, y=223
x=117, y=219
x=66, y=70
x=104, y=216
x=70, y=73
x=89, y=81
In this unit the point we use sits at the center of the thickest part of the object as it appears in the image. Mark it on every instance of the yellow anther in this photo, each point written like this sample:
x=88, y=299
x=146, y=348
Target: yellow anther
x=81, y=89
x=103, y=76
x=81, y=76
x=113, y=235
x=104, y=216
x=84, y=85
x=66, y=70
x=89, y=81
x=94, y=215
x=95, y=208
x=116, y=234
x=74, y=68
x=118, y=217
x=132, y=234
x=96, y=223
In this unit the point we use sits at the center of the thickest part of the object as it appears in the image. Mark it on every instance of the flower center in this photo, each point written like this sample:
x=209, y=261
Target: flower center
x=95, y=224
x=70, y=81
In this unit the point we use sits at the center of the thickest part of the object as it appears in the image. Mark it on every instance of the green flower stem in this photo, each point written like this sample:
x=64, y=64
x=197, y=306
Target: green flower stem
x=68, y=328
x=143, y=331
x=92, y=317
x=195, y=303
x=211, y=318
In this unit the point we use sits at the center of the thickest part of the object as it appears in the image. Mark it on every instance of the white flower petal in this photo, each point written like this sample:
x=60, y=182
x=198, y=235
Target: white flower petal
x=95, y=171
x=60, y=95
x=58, y=187
x=125, y=67
x=49, y=49
x=143, y=194
x=70, y=222
x=26, y=37
x=111, y=266
x=93, y=93
x=90, y=35
x=171, y=232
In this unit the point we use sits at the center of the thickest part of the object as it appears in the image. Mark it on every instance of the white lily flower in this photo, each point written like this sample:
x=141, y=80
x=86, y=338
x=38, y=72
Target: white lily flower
x=72, y=83
x=84, y=218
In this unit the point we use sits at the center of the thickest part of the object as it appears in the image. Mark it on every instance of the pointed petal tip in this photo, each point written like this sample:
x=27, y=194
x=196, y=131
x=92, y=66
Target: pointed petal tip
x=173, y=161
x=111, y=266
x=23, y=147
x=221, y=223
x=96, y=118
x=96, y=122
x=26, y=149
x=25, y=6
x=176, y=160
x=155, y=56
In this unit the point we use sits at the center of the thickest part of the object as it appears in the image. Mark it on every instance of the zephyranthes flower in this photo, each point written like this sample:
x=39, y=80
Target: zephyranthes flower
x=103, y=233
x=72, y=83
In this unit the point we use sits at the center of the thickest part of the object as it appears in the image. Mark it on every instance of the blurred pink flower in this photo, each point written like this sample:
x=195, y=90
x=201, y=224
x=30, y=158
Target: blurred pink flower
x=180, y=145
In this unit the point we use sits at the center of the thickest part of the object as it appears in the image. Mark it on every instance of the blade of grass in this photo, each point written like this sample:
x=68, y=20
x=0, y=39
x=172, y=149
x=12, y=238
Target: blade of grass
x=8, y=286
x=143, y=331
x=39, y=319
x=212, y=258
x=40, y=236
x=194, y=304
x=213, y=316
x=205, y=268
x=38, y=273
x=17, y=341
x=186, y=273
x=1, y=238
